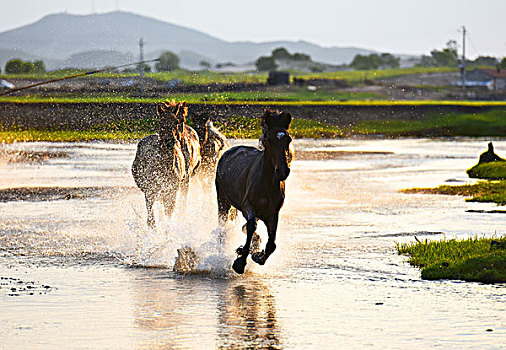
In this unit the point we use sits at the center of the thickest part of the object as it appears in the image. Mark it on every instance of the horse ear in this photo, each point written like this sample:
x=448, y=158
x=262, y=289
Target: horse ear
x=287, y=119
x=267, y=119
x=159, y=109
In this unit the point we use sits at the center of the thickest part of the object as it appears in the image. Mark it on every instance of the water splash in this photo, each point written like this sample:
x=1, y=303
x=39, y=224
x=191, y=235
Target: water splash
x=189, y=242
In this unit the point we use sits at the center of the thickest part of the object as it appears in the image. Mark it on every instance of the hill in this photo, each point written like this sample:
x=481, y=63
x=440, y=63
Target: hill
x=55, y=38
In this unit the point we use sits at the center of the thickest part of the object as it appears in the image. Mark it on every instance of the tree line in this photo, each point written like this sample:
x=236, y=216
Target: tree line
x=169, y=61
x=16, y=66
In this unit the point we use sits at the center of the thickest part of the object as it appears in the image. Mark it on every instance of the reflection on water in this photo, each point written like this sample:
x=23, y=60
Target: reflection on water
x=335, y=277
x=247, y=315
x=174, y=312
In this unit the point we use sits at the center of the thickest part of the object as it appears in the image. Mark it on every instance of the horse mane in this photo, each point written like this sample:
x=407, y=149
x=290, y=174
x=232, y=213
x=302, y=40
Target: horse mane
x=171, y=135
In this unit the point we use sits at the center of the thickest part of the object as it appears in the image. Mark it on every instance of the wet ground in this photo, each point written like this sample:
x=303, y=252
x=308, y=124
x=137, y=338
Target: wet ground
x=79, y=268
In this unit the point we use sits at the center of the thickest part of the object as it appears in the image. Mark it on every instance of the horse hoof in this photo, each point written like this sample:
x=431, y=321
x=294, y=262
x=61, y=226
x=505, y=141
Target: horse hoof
x=259, y=257
x=239, y=265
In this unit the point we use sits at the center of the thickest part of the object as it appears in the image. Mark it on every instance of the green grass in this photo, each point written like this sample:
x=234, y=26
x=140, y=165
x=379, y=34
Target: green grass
x=243, y=127
x=489, y=123
x=290, y=95
x=126, y=130
x=361, y=75
x=67, y=136
x=485, y=191
x=292, y=98
x=187, y=77
x=207, y=77
x=474, y=259
x=490, y=171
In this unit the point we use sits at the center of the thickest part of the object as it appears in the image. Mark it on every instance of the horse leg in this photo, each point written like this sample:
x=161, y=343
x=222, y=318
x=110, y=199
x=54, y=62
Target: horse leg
x=169, y=201
x=185, y=185
x=243, y=252
x=150, y=199
x=224, y=206
x=261, y=257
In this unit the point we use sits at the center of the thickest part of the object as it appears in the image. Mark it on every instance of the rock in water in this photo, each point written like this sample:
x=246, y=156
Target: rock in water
x=186, y=260
x=489, y=156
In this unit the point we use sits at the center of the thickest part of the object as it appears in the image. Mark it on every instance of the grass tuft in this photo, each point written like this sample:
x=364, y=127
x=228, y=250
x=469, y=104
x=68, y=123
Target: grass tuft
x=486, y=191
x=490, y=171
x=473, y=259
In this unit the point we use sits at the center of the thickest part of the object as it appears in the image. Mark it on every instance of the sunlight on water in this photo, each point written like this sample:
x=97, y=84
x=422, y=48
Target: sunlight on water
x=87, y=254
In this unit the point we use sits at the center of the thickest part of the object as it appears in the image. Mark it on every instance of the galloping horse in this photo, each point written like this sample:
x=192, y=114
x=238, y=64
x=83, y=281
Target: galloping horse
x=190, y=146
x=252, y=181
x=159, y=164
x=212, y=142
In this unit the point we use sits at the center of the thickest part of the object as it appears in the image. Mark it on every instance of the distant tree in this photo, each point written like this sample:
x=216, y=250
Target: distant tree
x=388, y=60
x=503, y=63
x=28, y=67
x=485, y=61
x=39, y=66
x=205, y=65
x=145, y=67
x=447, y=56
x=281, y=54
x=14, y=66
x=266, y=63
x=362, y=62
x=300, y=57
x=426, y=61
x=169, y=61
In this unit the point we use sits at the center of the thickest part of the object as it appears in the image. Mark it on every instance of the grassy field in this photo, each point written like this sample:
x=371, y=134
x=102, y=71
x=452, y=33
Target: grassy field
x=473, y=259
x=187, y=77
x=490, y=171
x=357, y=76
x=292, y=98
x=207, y=77
x=490, y=123
x=292, y=95
x=486, y=191
x=237, y=127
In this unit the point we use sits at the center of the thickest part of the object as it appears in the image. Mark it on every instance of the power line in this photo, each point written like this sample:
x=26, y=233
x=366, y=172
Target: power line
x=74, y=76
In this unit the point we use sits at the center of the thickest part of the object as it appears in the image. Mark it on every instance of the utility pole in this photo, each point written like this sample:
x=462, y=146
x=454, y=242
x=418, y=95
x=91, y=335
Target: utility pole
x=141, y=65
x=463, y=72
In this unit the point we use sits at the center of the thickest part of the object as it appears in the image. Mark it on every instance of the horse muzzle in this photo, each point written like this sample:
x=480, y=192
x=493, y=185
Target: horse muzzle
x=282, y=174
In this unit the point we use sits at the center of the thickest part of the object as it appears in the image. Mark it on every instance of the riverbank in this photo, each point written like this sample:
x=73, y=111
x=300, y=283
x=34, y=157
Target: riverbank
x=473, y=259
x=84, y=121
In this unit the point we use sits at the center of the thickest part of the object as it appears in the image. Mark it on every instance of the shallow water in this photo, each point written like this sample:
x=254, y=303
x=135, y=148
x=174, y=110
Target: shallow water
x=86, y=272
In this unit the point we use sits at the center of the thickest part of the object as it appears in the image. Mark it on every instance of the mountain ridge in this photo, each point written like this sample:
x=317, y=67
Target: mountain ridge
x=56, y=37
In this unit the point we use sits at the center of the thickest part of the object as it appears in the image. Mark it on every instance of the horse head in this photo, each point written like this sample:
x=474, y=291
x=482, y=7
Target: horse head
x=277, y=141
x=172, y=118
x=200, y=121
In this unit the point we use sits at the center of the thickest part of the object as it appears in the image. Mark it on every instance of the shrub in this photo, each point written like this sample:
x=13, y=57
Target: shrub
x=169, y=62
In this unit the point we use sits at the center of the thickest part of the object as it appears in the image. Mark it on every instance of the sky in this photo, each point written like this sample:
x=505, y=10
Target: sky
x=395, y=26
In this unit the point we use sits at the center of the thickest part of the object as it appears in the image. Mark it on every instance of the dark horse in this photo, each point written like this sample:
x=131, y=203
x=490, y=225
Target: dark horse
x=253, y=181
x=159, y=165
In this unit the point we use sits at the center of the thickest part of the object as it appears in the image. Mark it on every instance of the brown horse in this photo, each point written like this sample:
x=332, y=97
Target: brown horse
x=190, y=146
x=212, y=143
x=159, y=165
x=253, y=181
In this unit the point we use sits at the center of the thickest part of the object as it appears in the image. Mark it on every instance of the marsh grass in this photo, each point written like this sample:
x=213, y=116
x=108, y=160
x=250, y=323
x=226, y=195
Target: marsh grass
x=490, y=171
x=488, y=123
x=485, y=191
x=208, y=77
x=472, y=259
x=127, y=130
